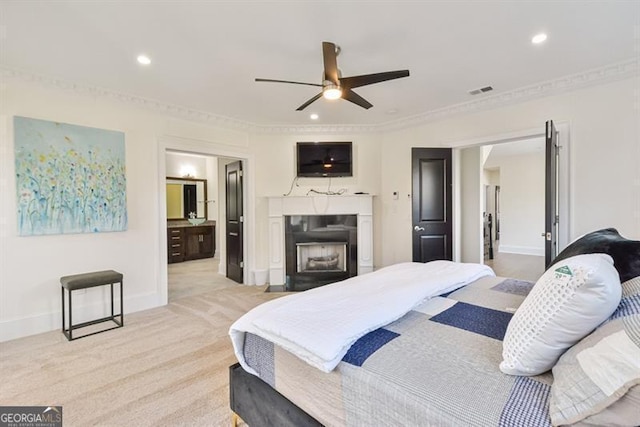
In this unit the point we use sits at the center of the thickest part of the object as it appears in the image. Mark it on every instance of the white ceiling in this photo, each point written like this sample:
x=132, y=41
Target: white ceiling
x=499, y=152
x=206, y=54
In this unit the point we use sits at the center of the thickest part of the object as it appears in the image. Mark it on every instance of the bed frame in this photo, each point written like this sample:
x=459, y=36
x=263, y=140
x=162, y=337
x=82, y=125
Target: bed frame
x=258, y=404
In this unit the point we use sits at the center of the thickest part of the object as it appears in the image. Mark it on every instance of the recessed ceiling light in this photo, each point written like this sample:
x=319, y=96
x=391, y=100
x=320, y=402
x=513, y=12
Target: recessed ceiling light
x=144, y=59
x=314, y=116
x=539, y=38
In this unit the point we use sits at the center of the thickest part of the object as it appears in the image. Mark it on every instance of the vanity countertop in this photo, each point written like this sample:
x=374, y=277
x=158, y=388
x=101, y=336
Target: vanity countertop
x=185, y=223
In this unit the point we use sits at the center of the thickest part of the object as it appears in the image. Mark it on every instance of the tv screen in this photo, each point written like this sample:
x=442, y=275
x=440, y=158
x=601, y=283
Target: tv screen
x=324, y=159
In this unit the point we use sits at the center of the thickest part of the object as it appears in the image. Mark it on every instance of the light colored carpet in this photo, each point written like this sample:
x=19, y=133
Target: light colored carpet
x=195, y=277
x=167, y=367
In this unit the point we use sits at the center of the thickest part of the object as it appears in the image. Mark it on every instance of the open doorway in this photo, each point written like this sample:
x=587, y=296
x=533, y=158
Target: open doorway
x=193, y=200
x=513, y=177
x=473, y=200
x=206, y=270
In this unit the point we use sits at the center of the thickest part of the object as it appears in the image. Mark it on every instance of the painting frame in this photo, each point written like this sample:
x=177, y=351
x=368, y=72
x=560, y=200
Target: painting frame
x=69, y=179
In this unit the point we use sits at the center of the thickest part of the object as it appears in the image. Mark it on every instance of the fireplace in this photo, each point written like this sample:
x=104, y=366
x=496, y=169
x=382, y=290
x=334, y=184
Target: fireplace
x=319, y=249
x=301, y=220
x=317, y=257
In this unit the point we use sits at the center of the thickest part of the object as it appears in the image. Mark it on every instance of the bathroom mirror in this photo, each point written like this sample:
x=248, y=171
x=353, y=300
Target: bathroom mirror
x=186, y=195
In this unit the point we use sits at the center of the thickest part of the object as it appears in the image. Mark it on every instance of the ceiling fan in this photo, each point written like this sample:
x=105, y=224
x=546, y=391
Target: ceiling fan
x=335, y=86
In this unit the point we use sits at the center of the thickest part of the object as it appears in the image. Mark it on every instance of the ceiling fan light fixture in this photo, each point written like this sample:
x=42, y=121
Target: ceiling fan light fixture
x=331, y=92
x=333, y=83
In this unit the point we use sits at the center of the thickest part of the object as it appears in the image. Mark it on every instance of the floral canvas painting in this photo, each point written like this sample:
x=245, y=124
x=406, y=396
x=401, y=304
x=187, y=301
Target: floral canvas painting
x=69, y=179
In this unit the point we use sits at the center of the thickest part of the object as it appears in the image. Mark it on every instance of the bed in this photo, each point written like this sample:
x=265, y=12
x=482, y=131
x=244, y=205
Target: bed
x=436, y=364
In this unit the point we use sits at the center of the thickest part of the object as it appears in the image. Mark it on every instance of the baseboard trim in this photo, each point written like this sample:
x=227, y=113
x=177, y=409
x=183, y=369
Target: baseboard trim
x=521, y=250
x=46, y=322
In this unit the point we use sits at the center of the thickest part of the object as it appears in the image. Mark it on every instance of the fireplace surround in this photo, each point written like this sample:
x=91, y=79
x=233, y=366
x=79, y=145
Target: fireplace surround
x=319, y=228
x=319, y=249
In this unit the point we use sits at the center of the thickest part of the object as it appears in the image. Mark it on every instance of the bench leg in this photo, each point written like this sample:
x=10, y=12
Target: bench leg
x=111, y=300
x=62, y=293
x=122, y=302
x=70, y=318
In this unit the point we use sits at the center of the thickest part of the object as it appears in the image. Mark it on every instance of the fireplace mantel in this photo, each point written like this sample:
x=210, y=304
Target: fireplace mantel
x=279, y=207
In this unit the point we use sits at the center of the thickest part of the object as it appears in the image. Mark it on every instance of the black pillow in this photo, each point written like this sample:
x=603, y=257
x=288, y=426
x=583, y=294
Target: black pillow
x=625, y=252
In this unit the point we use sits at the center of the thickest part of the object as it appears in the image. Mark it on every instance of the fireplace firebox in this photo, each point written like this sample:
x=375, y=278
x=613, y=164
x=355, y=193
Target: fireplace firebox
x=319, y=249
x=321, y=256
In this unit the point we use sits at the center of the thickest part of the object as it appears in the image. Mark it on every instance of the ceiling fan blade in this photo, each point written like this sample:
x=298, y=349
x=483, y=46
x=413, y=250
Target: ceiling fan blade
x=369, y=79
x=309, y=102
x=288, y=81
x=350, y=95
x=330, y=62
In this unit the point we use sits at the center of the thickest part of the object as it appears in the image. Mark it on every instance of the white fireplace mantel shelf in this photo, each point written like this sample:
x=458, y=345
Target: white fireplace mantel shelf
x=279, y=207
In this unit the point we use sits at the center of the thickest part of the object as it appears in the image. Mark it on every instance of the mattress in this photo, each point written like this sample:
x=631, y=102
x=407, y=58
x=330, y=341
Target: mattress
x=437, y=365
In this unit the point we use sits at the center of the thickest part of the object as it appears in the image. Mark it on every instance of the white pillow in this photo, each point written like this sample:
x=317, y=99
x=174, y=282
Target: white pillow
x=569, y=301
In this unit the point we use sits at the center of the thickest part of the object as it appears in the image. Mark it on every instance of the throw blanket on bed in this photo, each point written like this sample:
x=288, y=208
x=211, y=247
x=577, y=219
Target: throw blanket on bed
x=321, y=324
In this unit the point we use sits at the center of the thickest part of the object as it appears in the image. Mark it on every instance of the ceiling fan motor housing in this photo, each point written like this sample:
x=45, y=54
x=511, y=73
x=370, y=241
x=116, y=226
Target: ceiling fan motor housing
x=326, y=81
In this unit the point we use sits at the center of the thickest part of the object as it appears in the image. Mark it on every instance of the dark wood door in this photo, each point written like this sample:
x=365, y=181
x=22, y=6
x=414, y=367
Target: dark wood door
x=497, y=210
x=431, y=204
x=234, y=221
x=551, y=194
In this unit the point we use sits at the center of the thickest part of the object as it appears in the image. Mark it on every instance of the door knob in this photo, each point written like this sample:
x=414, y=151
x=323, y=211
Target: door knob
x=418, y=228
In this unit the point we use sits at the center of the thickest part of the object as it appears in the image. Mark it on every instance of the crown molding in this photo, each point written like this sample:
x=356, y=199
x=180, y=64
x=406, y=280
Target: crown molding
x=596, y=76
x=593, y=77
x=315, y=129
x=131, y=100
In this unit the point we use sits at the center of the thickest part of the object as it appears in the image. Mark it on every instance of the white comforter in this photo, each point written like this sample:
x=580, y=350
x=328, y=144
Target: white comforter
x=321, y=324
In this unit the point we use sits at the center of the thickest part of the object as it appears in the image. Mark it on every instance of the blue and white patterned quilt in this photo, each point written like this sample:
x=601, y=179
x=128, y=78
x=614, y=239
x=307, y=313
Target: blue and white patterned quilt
x=436, y=366
x=320, y=325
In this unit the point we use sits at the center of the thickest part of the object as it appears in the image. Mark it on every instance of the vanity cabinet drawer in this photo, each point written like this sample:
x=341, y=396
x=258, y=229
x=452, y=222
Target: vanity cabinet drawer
x=190, y=242
x=175, y=245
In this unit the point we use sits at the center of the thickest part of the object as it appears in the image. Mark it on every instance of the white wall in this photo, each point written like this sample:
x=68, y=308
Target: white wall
x=494, y=177
x=213, y=197
x=605, y=185
x=178, y=163
x=31, y=266
x=604, y=159
x=212, y=188
x=471, y=160
x=276, y=168
x=522, y=201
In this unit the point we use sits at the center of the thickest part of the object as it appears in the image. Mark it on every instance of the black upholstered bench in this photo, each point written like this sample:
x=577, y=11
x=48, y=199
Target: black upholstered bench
x=90, y=280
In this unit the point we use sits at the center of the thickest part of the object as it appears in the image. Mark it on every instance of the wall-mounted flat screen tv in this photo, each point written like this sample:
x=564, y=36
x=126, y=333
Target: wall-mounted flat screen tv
x=324, y=159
